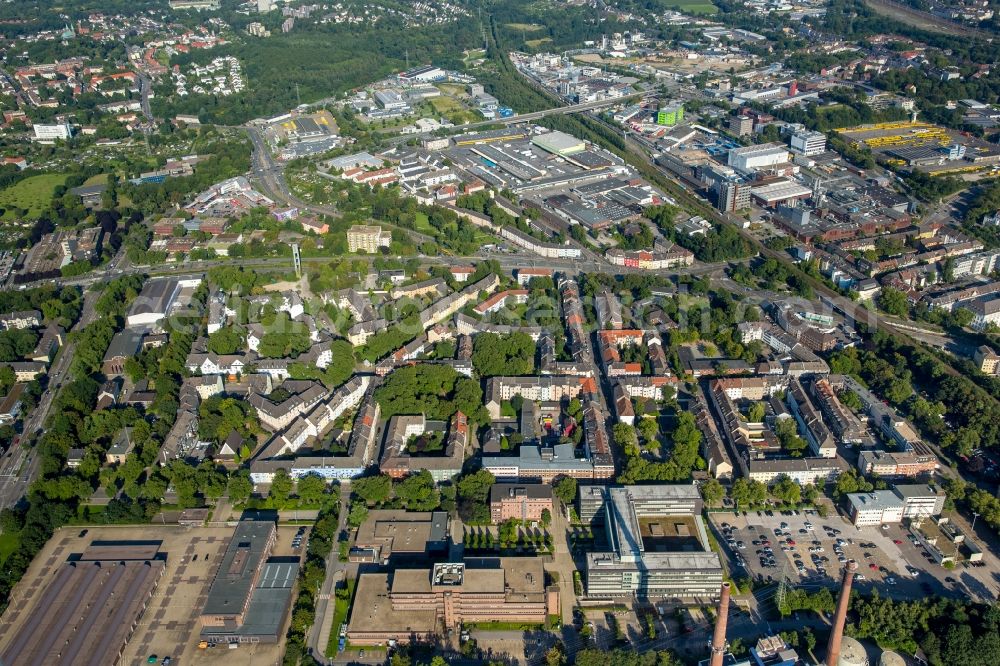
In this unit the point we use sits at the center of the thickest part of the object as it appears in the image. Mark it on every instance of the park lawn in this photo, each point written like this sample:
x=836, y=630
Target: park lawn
x=8, y=544
x=32, y=194
x=696, y=7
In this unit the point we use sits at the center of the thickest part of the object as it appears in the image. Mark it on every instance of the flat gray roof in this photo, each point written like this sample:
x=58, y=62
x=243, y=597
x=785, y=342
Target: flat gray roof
x=74, y=621
x=155, y=297
x=269, y=604
x=233, y=582
x=502, y=491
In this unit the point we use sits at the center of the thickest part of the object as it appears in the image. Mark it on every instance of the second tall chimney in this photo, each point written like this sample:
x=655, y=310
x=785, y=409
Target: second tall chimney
x=843, y=601
x=719, y=637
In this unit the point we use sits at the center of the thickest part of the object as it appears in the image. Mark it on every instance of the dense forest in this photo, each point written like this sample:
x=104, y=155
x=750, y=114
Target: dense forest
x=952, y=632
x=853, y=19
x=284, y=70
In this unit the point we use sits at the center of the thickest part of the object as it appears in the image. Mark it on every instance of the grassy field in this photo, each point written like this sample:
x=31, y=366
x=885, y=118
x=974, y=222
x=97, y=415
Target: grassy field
x=445, y=105
x=538, y=42
x=919, y=19
x=341, y=609
x=452, y=89
x=696, y=7
x=422, y=224
x=31, y=194
x=526, y=27
x=99, y=179
x=453, y=110
x=8, y=544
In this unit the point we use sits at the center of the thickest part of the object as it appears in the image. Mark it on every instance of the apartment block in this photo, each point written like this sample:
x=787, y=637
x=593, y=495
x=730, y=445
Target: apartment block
x=367, y=238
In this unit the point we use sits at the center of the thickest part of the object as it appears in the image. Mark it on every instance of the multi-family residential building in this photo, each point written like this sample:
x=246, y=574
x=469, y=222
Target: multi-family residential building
x=547, y=388
x=985, y=312
x=398, y=461
x=435, y=287
x=525, y=275
x=548, y=250
x=303, y=396
x=217, y=364
x=895, y=463
x=501, y=300
x=362, y=449
x=367, y=238
x=987, y=360
x=663, y=256
x=24, y=319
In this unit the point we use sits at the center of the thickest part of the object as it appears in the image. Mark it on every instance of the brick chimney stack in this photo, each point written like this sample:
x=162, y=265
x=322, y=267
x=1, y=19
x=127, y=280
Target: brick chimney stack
x=719, y=638
x=843, y=601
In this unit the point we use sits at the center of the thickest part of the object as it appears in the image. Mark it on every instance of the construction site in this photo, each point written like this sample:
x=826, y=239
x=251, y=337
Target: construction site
x=916, y=145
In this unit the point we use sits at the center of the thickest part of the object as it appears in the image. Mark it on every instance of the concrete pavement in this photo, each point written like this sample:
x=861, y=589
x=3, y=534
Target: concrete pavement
x=319, y=634
x=562, y=564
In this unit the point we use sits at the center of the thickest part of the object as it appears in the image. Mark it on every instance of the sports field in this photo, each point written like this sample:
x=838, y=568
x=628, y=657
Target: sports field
x=695, y=7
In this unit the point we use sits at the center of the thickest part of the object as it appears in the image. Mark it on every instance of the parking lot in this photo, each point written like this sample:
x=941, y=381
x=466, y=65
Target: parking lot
x=886, y=558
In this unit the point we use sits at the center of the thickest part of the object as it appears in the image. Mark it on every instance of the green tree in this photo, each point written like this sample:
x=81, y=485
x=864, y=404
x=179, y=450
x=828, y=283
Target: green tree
x=786, y=490
x=240, y=487
x=648, y=429
x=284, y=338
x=787, y=432
x=281, y=487
x=475, y=487
x=712, y=492
x=556, y=655
x=747, y=493
x=687, y=444
x=357, y=515
x=418, y=492
x=372, y=489
x=546, y=517
x=851, y=482
x=311, y=488
x=227, y=340
x=565, y=489
x=624, y=436
x=893, y=301
x=512, y=354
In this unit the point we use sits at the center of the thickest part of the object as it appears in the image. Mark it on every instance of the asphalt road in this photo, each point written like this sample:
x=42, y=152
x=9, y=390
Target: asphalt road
x=20, y=464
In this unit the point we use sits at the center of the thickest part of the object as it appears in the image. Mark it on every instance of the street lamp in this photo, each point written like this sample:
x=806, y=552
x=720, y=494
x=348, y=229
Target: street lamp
x=974, y=516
